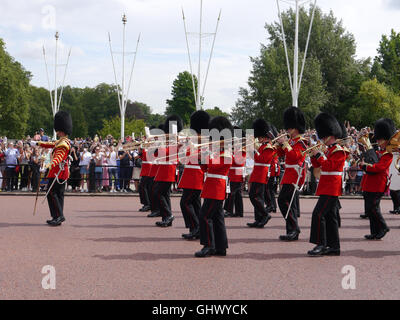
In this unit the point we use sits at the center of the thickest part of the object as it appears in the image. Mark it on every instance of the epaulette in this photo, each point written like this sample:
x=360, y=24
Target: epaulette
x=63, y=143
x=267, y=146
x=338, y=148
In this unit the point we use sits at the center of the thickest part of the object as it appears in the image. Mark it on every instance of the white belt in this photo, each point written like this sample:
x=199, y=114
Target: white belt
x=236, y=168
x=165, y=163
x=192, y=167
x=217, y=176
x=331, y=173
x=146, y=162
x=262, y=165
x=292, y=166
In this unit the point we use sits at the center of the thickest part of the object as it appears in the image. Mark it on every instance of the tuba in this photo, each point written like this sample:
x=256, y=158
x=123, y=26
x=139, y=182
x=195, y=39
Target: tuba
x=369, y=154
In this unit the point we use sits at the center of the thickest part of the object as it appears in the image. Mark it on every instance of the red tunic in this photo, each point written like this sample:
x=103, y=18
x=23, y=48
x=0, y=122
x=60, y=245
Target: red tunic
x=378, y=180
x=217, y=177
x=330, y=182
x=166, y=164
x=262, y=163
x=293, y=160
x=237, y=170
x=275, y=169
x=146, y=165
x=193, y=174
x=60, y=153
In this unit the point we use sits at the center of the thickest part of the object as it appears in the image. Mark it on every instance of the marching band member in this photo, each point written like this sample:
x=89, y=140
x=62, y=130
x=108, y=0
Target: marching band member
x=294, y=175
x=58, y=170
x=324, y=223
x=234, y=203
x=152, y=154
x=145, y=181
x=258, y=179
x=193, y=179
x=166, y=174
x=272, y=179
x=376, y=179
x=212, y=224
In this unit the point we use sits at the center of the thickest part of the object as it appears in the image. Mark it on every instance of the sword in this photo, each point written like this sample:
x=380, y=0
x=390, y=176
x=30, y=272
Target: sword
x=37, y=194
x=61, y=165
x=296, y=187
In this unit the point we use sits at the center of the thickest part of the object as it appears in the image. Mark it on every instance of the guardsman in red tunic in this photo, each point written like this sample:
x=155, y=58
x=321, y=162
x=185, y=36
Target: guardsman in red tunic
x=324, y=223
x=294, y=175
x=145, y=181
x=376, y=179
x=59, y=170
x=234, y=204
x=259, y=176
x=192, y=179
x=167, y=160
x=272, y=180
x=212, y=223
x=152, y=155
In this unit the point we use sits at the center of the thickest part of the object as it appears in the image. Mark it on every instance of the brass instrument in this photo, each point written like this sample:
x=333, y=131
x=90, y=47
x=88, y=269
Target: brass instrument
x=397, y=164
x=394, y=143
x=369, y=154
x=318, y=145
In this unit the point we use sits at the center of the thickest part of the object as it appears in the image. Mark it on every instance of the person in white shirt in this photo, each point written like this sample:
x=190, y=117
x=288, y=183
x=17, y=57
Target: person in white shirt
x=112, y=170
x=86, y=156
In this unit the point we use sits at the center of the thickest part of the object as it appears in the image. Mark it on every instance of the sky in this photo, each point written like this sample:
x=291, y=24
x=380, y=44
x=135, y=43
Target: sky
x=28, y=25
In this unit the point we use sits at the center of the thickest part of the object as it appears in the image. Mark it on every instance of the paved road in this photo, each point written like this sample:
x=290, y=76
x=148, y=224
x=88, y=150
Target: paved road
x=108, y=250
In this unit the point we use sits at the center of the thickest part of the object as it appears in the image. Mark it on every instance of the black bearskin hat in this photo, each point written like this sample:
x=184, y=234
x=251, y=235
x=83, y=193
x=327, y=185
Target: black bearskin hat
x=160, y=127
x=293, y=118
x=220, y=123
x=199, y=120
x=261, y=128
x=327, y=125
x=384, y=129
x=63, y=122
x=274, y=132
x=239, y=132
x=170, y=120
x=344, y=131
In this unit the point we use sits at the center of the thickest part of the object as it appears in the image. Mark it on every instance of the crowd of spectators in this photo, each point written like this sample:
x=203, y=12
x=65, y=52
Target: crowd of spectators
x=101, y=165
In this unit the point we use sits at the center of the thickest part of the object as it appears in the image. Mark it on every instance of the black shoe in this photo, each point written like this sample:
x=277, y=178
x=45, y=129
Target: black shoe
x=227, y=214
x=205, y=252
x=381, y=234
x=56, y=222
x=192, y=235
x=62, y=219
x=317, y=251
x=165, y=223
x=395, y=211
x=221, y=253
x=290, y=237
x=252, y=224
x=146, y=208
x=263, y=222
x=274, y=210
x=154, y=214
x=363, y=216
x=332, y=252
x=370, y=236
x=50, y=221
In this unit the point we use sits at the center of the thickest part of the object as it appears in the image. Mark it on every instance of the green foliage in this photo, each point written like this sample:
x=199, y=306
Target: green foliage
x=14, y=95
x=375, y=101
x=387, y=64
x=40, y=113
x=113, y=127
x=216, y=112
x=183, y=102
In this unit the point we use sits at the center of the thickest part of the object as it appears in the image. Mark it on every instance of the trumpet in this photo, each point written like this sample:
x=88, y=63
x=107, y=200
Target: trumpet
x=308, y=150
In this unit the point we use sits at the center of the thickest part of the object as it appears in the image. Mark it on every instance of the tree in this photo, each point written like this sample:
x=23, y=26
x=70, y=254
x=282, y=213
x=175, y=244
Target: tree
x=375, y=101
x=14, y=95
x=113, y=127
x=40, y=113
x=137, y=110
x=386, y=66
x=216, y=112
x=269, y=94
x=183, y=102
x=332, y=75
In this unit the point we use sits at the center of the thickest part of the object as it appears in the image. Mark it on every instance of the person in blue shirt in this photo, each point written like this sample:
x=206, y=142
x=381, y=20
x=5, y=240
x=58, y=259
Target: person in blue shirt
x=43, y=137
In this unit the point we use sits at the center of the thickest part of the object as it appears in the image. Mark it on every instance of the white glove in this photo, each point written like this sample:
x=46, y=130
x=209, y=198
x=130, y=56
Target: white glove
x=33, y=143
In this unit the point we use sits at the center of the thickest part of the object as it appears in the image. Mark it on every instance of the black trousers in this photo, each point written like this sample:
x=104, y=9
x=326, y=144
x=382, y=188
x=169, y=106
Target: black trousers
x=283, y=201
x=234, y=203
x=324, y=222
x=395, y=195
x=55, y=199
x=373, y=210
x=11, y=177
x=212, y=225
x=190, y=206
x=35, y=181
x=270, y=193
x=153, y=196
x=145, y=190
x=256, y=194
x=163, y=193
